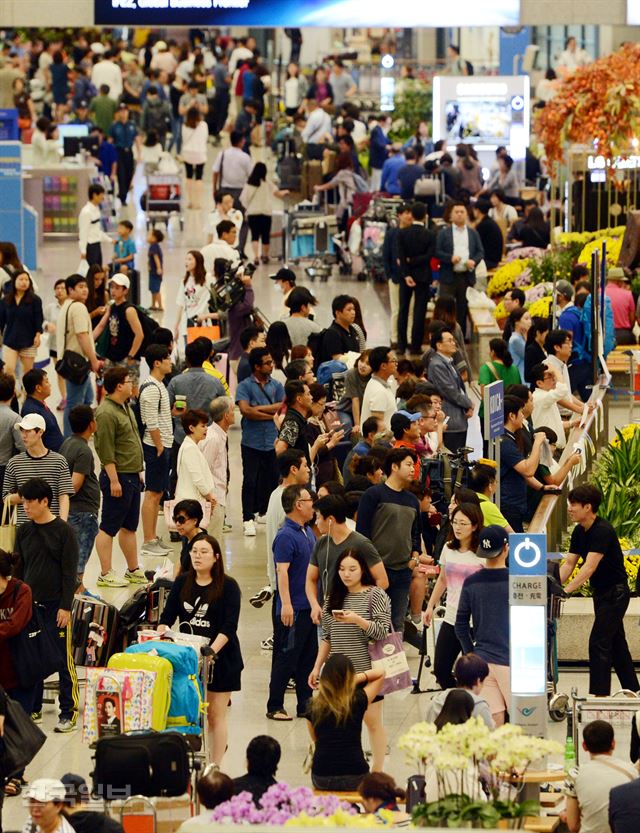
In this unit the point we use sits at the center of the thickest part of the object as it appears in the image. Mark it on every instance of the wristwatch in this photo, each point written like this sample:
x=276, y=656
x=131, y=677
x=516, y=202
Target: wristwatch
x=133, y=358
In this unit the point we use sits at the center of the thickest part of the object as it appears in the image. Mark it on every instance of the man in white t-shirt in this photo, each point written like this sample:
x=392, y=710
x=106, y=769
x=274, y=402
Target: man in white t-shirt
x=550, y=389
x=587, y=788
x=108, y=72
x=380, y=394
x=223, y=247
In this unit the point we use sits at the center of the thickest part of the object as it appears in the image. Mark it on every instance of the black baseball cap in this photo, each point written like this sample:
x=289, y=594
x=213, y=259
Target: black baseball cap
x=492, y=541
x=284, y=274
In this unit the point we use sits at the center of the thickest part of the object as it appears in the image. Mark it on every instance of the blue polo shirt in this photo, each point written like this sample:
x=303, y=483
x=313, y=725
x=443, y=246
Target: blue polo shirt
x=293, y=545
x=123, y=135
x=259, y=434
x=52, y=437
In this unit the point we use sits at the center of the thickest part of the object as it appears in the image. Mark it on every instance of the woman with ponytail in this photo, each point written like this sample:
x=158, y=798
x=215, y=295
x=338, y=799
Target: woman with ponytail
x=500, y=367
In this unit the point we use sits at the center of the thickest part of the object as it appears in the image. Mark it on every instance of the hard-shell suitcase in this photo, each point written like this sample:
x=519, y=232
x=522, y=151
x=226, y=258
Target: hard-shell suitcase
x=146, y=763
x=164, y=680
x=94, y=631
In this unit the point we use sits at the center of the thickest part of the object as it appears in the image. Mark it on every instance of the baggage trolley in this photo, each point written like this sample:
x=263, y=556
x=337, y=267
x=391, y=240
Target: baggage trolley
x=619, y=709
x=558, y=703
x=163, y=199
x=138, y=815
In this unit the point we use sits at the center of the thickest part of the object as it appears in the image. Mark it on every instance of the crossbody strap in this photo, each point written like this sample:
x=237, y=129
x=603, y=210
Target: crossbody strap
x=492, y=368
x=611, y=765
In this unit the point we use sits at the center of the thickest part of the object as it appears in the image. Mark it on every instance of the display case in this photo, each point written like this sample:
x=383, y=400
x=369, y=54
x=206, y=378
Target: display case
x=63, y=191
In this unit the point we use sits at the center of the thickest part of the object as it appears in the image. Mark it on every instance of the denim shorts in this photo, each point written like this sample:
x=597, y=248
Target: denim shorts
x=120, y=512
x=156, y=469
x=85, y=525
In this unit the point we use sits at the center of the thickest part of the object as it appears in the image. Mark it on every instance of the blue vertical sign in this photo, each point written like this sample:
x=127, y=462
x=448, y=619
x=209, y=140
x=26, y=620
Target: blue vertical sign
x=493, y=395
x=528, y=630
x=18, y=222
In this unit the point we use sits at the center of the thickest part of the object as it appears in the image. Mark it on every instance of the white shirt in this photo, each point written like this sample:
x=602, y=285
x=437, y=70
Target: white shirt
x=555, y=364
x=218, y=249
x=258, y=200
x=508, y=214
x=317, y=126
x=194, y=143
x=236, y=167
x=90, y=227
x=107, y=72
x=275, y=518
x=193, y=298
x=379, y=397
x=239, y=54
x=460, y=247
x=164, y=61
x=216, y=217
x=214, y=448
x=195, y=480
x=591, y=785
x=546, y=412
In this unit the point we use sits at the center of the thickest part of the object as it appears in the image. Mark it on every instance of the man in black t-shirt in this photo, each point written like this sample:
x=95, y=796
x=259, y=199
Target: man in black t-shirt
x=341, y=337
x=595, y=541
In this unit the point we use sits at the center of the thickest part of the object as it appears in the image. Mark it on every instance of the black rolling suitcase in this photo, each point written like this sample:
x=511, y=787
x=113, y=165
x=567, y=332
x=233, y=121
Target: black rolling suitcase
x=152, y=764
x=94, y=631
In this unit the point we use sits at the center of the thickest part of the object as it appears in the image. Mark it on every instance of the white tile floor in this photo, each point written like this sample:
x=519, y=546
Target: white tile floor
x=245, y=557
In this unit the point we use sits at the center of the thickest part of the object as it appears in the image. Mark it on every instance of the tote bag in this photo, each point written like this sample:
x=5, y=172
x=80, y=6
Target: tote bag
x=22, y=739
x=8, y=527
x=387, y=653
x=34, y=651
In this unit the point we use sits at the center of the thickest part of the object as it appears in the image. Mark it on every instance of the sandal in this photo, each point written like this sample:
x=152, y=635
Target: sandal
x=13, y=787
x=280, y=715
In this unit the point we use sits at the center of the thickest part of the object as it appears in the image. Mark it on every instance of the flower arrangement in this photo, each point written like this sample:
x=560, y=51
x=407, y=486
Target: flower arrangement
x=536, y=292
x=342, y=819
x=500, y=311
x=615, y=473
x=541, y=308
x=504, y=277
x=523, y=279
x=524, y=253
x=614, y=246
x=459, y=754
x=279, y=804
x=599, y=103
x=556, y=263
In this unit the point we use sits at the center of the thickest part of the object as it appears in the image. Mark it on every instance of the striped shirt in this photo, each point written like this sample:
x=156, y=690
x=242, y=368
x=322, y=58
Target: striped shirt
x=155, y=411
x=351, y=640
x=52, y=467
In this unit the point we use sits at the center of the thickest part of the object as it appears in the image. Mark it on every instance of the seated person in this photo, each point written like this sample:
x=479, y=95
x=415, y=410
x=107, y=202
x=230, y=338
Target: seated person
x=80, y=817
x=213, y=788
x=470, y=672
x=263, y=757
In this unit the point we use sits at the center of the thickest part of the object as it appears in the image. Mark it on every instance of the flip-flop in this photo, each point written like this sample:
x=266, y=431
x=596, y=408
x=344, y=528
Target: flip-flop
x=280, y=715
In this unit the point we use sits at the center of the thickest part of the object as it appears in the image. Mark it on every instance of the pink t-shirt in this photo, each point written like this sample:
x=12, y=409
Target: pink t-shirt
x=457, y=566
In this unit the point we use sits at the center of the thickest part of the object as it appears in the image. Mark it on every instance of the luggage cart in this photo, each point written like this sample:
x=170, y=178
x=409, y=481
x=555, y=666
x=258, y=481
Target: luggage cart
x=163, y=199
x=558, y=703
x=619, y=709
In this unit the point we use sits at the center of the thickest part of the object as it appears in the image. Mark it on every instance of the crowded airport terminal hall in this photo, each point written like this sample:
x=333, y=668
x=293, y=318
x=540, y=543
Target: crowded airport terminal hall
x=319, y=415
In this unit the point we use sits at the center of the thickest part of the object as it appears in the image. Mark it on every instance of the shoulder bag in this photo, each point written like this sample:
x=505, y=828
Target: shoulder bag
x=72, y=366
x=388, y=653
x=34, y=651
x=427, y=186
x=494, y=372
x=22, y=740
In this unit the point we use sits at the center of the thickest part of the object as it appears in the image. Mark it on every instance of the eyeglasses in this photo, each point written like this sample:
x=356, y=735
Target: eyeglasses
x=456, y=522
x=180, y=519
x=305, y=499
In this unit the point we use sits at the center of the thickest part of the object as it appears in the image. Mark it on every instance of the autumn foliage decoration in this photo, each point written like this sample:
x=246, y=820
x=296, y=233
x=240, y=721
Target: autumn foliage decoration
x=599, y=102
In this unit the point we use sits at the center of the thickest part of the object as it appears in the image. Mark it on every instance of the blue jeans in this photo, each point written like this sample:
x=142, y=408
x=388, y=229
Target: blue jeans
x=76, y=395
x=398, y=593
x=85, y=525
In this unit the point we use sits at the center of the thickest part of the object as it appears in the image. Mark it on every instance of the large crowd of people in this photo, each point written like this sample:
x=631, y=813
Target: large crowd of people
x=342, y=433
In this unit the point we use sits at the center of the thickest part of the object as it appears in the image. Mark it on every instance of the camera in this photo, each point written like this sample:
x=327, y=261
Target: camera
x=228, y=288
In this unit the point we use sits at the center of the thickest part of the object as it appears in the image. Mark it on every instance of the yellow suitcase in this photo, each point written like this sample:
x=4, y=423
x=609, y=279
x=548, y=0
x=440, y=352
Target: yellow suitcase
x=162, y=689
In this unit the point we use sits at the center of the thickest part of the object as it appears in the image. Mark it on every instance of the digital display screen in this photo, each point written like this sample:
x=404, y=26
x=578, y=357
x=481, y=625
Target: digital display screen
x=528, y=649
x=66, y=131
x=633, y=12
x=337, y=13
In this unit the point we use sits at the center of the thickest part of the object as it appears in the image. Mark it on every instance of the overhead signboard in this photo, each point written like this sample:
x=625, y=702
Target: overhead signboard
x=337, y=13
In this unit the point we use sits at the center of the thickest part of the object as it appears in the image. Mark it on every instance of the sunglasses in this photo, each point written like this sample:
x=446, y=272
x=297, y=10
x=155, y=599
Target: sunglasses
x=180, y=519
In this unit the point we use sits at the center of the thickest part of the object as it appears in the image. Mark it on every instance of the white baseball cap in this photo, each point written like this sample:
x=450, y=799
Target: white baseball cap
x=31, y=421
x=121, y=280
x=47, y=789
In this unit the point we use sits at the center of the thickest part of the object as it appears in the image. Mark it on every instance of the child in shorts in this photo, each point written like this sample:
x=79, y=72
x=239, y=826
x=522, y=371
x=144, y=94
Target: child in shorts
x=155, y=267
x=124, y=249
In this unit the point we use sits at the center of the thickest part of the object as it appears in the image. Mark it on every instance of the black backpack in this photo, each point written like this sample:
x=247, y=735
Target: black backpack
x=149, y=326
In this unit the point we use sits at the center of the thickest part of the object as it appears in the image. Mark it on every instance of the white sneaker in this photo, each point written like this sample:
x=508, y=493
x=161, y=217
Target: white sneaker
x=249, y=529
x=155, y=547
x=110, y=579
x=261, y=519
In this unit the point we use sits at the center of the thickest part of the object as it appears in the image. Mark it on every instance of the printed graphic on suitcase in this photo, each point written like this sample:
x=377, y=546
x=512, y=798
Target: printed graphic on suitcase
x=134, y=691
x=163, y=682
x=94, y=631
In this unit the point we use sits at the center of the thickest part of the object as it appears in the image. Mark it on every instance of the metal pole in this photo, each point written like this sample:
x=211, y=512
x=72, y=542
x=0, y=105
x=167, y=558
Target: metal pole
x=497, y=459
x=594, y=317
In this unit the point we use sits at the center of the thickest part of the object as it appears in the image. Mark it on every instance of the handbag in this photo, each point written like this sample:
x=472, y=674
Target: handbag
x=22, y=739
x=35, y=651
x=168, y=513
x=72, y=366
x=387, y=653
x=426, y=186
x=8, y=527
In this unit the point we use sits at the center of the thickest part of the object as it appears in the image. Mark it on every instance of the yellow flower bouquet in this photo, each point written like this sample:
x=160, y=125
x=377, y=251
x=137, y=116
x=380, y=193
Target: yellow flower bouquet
x=504, y=278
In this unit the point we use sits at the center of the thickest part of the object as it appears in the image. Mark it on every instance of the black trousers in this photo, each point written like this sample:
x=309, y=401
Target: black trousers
x=448, y=648
x=221, y=110
x=94, y=254
x=69, y=696
x=421, y=292
x=608, y=644
x=126, y=168
x=457, y=291
x=294, y=653
x=514, y=517
x=454, y=440
x=259, y=479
